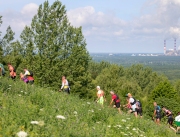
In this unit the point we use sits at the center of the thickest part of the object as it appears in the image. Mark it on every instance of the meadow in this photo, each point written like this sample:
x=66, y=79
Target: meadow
x=43, y=112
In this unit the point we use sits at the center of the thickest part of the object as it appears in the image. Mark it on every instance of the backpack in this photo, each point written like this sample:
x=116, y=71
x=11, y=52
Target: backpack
x=30, y=73
x=139, y=104
x=117, y=97
x=134, y=101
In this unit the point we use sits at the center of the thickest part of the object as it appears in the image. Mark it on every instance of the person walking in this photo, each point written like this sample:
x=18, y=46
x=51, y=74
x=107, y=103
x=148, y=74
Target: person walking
x=116, y=100
x=25, y=79
x=12, y=71
x=139, y=108
x=65, y=85
x=157, y=113
x=169, y=115
x=100, y=95
x=29, y=75
x=132, y=103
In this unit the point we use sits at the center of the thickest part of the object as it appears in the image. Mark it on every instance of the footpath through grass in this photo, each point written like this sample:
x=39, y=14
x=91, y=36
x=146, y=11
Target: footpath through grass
x=43, y=112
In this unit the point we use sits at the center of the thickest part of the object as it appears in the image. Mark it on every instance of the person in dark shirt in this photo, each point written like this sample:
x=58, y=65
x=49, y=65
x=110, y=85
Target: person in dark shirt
x=157, y=113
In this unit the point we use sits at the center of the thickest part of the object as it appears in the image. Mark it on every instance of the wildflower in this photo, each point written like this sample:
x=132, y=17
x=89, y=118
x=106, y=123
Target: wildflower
x=97, y=122
x=60, y=117
x=141, y=135
x=41, y=109
x=9, y=85
x=109, y=126
x=75, y=112
x=88, y=103
x=125, y=134
x=91, y=110
x=118, y=125
x=41, y=123
x=127, y=127
x=21, y=134
x=19, y=95
x=99, y=109
x=134, y=129
x=21, y=91
x=34, y=122
x=25, y=92
x=123, y=120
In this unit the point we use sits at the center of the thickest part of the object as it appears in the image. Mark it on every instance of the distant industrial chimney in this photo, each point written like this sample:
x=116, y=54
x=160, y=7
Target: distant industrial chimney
x=174, y=45
x=164, y=47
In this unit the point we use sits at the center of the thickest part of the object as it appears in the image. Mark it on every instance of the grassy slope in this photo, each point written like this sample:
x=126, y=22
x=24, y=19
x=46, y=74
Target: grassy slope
x=20, y=105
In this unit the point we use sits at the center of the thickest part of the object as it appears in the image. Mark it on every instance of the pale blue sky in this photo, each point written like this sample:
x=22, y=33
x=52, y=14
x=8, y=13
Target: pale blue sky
x=123, y=26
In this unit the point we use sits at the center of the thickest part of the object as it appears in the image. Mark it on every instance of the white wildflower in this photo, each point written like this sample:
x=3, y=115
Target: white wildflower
x=9, y=85
x=60, y=117
x=141, y=135
x=22, y=134
x=123, y=120
x=21, y=91
x=127, y=127
x=75, y=112
x=25, y=92
x=41, y=123
x=98, y=122
x=125, y=134
x=19, y=95
x=41, y=109
x=88, y=103
x=134, y=129
x=34, y=122
x=118, y=125
x=109, y=125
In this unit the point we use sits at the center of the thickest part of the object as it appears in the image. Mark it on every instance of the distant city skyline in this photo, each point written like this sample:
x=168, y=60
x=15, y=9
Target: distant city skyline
x=117, y=26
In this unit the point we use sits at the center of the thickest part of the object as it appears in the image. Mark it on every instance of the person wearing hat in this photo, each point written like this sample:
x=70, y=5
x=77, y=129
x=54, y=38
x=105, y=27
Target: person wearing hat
x=100, y=95
x=132, y=102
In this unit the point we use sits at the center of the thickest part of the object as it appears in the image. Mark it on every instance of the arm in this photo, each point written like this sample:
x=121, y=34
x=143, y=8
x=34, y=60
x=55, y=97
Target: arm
x=62, y=85
x=111, y=102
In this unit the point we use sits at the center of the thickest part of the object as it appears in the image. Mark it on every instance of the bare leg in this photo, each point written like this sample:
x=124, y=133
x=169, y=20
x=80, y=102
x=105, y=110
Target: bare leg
x=119, y=110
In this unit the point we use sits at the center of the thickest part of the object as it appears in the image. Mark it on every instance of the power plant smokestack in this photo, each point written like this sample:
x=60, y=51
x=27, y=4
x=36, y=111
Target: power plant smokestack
x=174, y=44
x=164, y=47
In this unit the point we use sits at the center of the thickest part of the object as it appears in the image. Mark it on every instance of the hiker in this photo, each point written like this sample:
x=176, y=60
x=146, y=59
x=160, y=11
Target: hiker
x=168, y=113
x=100, y=95
x=157, y=113
x=116, y=101
x=139, y=108
x=12, y=71
x=29, y=75
x=177, y=122
x=65, y=85
x=2, y=71
x=25, y=79
x=132, y=102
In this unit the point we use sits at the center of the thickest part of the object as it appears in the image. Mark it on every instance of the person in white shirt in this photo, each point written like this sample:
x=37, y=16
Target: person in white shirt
x=132, y=103
x=65, y=85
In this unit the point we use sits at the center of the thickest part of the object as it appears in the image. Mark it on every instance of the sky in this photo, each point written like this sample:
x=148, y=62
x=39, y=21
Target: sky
x=109, y=26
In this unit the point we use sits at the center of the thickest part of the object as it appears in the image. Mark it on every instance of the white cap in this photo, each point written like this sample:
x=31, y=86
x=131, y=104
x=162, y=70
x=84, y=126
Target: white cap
x=98, y=87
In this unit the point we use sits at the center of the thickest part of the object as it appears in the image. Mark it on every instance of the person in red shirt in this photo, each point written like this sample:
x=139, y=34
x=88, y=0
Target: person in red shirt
x=116, y=101
x=12, y=71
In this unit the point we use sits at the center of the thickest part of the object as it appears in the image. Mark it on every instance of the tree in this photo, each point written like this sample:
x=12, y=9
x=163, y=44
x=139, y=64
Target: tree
x=164, y=89
x=56, y=48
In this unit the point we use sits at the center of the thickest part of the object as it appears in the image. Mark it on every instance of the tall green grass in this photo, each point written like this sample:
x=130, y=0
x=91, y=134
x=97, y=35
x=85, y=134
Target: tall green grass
x=21, y=104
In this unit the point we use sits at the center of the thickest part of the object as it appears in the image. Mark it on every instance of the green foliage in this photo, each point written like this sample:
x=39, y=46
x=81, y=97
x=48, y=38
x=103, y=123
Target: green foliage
x=21, y=104
x=164, y=89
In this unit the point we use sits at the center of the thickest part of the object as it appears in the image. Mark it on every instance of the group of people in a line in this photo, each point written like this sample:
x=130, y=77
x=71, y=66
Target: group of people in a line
x=135, y=106
x=27, y=77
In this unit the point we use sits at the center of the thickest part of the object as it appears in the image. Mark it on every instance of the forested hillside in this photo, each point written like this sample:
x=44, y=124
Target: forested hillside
x=51, y=47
